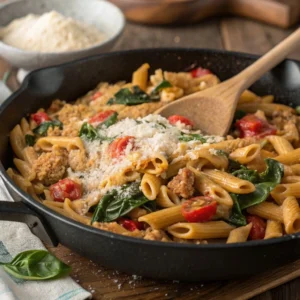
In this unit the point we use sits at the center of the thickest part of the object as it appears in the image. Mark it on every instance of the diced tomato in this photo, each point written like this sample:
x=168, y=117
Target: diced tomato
x=130, y=224
x=96, y=95
x=250, y=125
x=199, y=209
x=258, y=229
x=177, y=118
x=65, y=188
x=118, y=146
x=101, y=117
x=199, y=72
x=40, y=117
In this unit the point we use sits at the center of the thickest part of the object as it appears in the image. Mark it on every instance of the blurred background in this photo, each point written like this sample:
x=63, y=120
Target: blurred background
x=252, y=26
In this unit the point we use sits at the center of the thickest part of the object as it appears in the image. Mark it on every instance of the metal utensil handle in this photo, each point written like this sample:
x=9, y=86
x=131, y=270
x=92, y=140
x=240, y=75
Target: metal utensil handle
x=19, y=212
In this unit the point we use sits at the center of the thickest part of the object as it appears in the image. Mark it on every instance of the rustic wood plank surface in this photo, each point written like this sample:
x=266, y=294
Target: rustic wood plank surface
x=232, y=34
x=108, y=284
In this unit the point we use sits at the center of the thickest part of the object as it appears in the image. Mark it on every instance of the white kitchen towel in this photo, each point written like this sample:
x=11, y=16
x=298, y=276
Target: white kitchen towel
x=16, y=237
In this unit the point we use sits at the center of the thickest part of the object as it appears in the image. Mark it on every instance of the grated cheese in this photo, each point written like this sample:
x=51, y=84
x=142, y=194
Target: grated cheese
x=152, y=134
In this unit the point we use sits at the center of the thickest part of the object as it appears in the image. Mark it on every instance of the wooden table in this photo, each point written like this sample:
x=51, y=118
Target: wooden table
x=231, y=34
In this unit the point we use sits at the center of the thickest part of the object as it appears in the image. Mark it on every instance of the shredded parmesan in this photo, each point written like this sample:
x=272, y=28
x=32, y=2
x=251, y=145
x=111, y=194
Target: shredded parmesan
x=50, y=32
x=151, y=134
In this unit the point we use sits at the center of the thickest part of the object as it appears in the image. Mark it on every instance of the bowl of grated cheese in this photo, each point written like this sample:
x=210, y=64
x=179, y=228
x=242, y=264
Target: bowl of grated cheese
x=41, y=33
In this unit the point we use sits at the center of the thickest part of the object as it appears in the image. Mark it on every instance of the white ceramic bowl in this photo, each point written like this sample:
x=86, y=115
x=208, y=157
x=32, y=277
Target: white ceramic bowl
x=103, y=15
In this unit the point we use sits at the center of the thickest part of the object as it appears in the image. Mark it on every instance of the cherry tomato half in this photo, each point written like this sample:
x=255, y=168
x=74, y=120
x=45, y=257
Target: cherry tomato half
x=250, y=125
x=177, y=118
x=199, y=209
x=40, y=117
x=130, y=224
x=65, y=188
x=97, y=95
x=199, y=72
x=118, y=146
x=258, y=229
x=101, y=117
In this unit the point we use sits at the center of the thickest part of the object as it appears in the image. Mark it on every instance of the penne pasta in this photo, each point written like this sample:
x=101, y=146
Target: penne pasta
x=239, y=234
x=163, y=218
x=273, y=230
x=291, y=215
x=267, y=210
x=209, y=230
x=229, y=182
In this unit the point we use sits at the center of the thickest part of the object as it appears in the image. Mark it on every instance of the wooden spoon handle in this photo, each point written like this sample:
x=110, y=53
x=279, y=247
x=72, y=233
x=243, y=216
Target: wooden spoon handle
x=264, y=64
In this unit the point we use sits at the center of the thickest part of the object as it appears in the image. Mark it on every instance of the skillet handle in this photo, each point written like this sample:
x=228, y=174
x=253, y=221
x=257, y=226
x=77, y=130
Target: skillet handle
x=19, y=212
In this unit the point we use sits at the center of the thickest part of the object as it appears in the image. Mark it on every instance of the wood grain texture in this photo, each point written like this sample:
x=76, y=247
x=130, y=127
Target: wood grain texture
x=282, y=13
x=251, y=37
x=232, y=34
x=204, y=35
x=107, y=284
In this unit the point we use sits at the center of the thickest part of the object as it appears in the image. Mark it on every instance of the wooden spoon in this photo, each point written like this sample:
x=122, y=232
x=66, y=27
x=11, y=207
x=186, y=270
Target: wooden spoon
x=212, y=110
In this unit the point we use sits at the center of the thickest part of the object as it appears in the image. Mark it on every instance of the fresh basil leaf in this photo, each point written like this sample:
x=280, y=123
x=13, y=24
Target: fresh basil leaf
x=155, y=92
x=109, y=121
x=127, y=97
x=30, y=140
x=192, y=137
x=42, y=129
x=36, y=265
x=88, y=132
x=264, y=183
x=236, y=218
x=118, y=203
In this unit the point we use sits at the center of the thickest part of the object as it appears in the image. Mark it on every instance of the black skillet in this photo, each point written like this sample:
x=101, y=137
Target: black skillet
x=147, y=258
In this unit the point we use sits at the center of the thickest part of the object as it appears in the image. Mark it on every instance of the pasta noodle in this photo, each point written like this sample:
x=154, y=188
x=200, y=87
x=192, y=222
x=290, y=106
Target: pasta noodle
x=291, y=215
x=239, y=235
x=108, y=161
x=273, y=230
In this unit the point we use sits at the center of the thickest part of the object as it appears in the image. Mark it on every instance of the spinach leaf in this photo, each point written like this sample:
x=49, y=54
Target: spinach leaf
x=127, y=97
x=221, y=153
x=109, y=121
x=150, y=206
x=246, y=174
x=155, y=92
x=273, y=173
x=118, y=203
x=233, y=165
x=29, y=139
x=239, y=114
x=264, y=183
x=236, y=218
x=192, y=137
x=36, y=265
x=88, y=132
x=42, y=129
x=261, y=193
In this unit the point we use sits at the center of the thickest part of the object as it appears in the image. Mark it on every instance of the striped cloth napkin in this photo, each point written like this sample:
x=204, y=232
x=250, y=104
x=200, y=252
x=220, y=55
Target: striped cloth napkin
x=15, y=238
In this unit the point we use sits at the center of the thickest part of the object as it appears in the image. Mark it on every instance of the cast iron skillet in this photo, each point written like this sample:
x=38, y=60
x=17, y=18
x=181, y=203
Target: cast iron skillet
x=148, y=258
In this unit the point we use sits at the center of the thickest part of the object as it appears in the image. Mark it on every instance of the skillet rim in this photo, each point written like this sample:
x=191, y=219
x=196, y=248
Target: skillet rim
x=70, y=222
